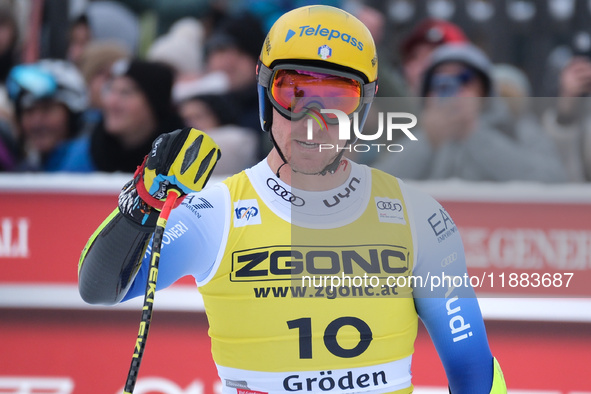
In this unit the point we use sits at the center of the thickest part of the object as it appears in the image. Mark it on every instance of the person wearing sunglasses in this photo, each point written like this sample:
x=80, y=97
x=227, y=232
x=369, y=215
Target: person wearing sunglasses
x=467, y=131
x=255, y=242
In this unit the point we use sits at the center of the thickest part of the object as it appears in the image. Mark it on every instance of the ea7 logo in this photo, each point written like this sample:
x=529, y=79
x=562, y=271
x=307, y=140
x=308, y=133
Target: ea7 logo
x=246, y=212
x=442, y=225
x=289, y=262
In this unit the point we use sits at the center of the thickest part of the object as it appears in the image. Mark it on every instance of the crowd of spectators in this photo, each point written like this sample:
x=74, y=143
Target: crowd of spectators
x=100, y=106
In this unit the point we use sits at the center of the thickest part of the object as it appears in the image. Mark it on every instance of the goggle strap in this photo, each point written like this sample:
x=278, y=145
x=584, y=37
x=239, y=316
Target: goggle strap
x=264, y=75
x=369, y=91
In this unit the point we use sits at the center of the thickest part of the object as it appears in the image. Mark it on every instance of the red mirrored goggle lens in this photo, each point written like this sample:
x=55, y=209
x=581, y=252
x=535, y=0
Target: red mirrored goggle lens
x=295, y=90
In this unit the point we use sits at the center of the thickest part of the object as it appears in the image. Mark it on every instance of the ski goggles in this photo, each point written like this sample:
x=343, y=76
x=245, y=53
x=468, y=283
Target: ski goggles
x=32, y=80
x=294, y=90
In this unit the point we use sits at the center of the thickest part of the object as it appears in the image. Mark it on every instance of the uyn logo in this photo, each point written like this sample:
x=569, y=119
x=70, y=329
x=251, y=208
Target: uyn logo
x=14, y=238
x=344, y=122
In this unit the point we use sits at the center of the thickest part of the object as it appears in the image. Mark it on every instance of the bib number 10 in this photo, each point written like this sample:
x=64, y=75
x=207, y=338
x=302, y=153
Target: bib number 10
x=330, y=336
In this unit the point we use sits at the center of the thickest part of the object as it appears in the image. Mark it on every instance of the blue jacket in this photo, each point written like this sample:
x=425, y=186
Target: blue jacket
x=75, y=157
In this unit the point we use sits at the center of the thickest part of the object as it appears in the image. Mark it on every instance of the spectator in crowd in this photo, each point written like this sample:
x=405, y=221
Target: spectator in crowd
x=181, y=48
x=8, y=147
x=392, y=82
x=417, y=47
x=268, y=11
x=137, y=108
x=9, y=49
x=515, y=90
x=234, y=49
x=463, y=128
x=49, y=98
x=9, y=57
x=215, y=114
x=103, y=20
x=80, y=36
x=569, y=123
x=95, y=63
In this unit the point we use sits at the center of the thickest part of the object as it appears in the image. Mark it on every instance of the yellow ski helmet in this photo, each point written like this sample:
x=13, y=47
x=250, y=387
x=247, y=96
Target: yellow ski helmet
x=321, y=38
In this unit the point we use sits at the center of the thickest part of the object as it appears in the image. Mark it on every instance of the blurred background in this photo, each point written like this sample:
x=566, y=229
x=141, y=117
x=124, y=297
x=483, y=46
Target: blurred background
x=86, y=86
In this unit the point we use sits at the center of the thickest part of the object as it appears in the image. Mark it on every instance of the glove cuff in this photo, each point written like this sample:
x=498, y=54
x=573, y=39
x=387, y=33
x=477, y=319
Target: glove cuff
x=146, y=196
x=135, y=209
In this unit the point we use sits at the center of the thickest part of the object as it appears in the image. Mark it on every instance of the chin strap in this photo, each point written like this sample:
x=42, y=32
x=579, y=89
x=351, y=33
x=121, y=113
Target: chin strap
x=278, y=151
x=279, y=170
x=330, y=168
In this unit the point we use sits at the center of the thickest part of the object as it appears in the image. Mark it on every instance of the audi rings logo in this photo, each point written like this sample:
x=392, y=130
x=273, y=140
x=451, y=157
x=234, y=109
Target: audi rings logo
x=390, y=210
x=389, y=206
x=285, y=194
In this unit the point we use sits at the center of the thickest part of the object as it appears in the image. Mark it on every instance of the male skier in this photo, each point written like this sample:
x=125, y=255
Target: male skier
x=302, y=212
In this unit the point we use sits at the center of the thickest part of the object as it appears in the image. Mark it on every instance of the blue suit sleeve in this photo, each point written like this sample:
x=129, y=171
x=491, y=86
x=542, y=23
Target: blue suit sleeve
x=445, y=301
x=191, y=243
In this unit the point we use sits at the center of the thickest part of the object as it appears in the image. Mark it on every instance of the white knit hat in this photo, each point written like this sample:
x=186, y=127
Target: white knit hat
x=181, y=47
